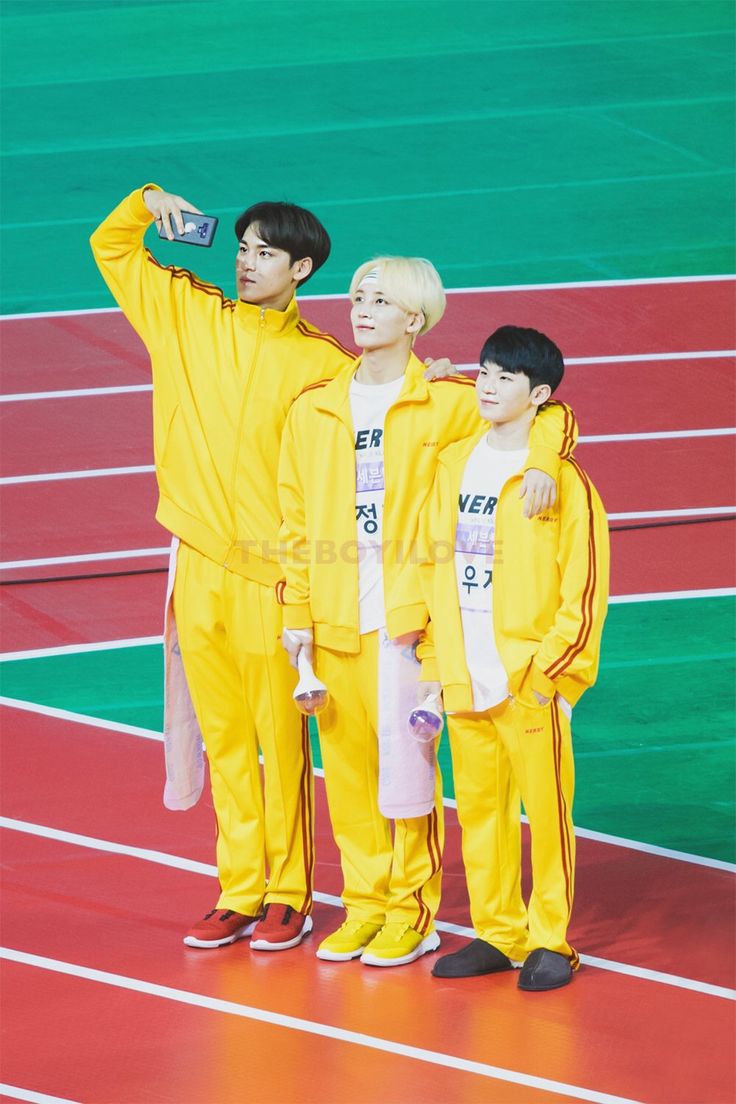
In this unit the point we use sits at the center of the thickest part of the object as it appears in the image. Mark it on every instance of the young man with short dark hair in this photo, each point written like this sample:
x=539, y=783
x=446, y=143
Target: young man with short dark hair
x=516, y=614
x=225, y=372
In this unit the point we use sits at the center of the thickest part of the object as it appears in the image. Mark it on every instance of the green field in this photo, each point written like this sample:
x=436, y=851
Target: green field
x=511, y=142
x=648, y=768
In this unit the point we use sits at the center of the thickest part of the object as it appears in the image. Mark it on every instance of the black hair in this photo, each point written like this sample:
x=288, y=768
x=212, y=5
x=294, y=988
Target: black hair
x=285, y=226
x=521, y=349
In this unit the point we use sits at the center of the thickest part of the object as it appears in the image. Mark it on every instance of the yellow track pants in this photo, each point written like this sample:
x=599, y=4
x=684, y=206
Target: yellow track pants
x=385, y=879
x=510, y=752
x=241, y=685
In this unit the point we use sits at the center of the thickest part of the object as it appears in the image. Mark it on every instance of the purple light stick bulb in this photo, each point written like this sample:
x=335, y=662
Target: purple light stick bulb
x=425, y=720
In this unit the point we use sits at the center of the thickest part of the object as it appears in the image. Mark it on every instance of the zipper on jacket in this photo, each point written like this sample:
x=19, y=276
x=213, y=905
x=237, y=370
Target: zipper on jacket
x=239, y=431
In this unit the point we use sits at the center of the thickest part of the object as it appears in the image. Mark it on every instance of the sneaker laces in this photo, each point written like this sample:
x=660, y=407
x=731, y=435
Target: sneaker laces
x=352, y=927
x=397, y=930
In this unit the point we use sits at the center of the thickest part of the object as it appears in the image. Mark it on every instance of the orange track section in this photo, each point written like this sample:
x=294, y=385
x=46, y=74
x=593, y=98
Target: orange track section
x=112, y=790
x=121, y=915
x=91, y=1032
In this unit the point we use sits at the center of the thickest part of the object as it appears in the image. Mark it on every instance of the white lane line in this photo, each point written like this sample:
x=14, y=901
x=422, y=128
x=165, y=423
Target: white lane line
x=85, y=473
x=595, y=439
x=672, y=595
x=621, y=358
x=657, y=435
x=310, y=1027
x=634, y=358
x=78, y=649
x=695, y=511
x=164, y=858
x=139, y=553
x=86, y=557
x=16, y=1093
x=81, y=718
x=448, y=802
x=644, y=281
x=144, y=641
x=75, y=393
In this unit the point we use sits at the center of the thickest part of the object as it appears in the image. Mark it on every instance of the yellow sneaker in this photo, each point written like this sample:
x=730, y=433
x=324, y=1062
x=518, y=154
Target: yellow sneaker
x=349, y=941
x=397, y=944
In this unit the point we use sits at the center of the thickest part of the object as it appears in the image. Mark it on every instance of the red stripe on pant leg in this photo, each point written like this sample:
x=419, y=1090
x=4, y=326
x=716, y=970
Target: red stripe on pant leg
x=436, y=860
x=421, y=922
x=561, y=806
x=306, y=817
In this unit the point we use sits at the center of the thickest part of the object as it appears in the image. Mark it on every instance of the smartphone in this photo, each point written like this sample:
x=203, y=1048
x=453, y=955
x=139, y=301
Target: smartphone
x=198, y=229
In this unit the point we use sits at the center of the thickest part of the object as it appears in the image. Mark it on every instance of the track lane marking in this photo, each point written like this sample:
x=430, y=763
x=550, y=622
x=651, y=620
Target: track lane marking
x=87, y=557
x=595, y=439
x=16, y=1093
x=622, y=358
x=141, y=553
x=311, y=1027
x=449, y=802
x=642, y=281
x=192, y=866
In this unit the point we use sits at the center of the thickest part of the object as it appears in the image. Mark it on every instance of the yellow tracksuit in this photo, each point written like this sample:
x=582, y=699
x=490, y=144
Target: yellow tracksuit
x=385, y=880
x=550, y=591
x=224, y=376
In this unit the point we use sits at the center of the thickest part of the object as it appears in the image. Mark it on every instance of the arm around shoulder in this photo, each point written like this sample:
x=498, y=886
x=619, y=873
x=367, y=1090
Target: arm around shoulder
x=553, y=437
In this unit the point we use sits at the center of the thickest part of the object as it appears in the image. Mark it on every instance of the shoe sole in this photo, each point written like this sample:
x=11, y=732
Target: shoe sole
x=543, y=988
x=429, y=943
x=211, y=944
x=339, y=956
x=264, y=945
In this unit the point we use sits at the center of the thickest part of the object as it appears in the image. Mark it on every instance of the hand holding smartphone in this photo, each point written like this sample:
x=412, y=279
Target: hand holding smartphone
x=198, y=229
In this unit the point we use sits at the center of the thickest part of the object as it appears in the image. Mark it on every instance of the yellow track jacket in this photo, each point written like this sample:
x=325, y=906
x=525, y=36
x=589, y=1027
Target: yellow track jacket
x=550, y=585
x=224, y=376
x=317, y=495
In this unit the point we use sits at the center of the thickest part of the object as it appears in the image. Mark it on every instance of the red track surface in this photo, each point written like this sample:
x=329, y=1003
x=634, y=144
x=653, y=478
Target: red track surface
x=110, y=774
x=90, y=908
x=607, y=398
x=608, y=1032
x=98, y=350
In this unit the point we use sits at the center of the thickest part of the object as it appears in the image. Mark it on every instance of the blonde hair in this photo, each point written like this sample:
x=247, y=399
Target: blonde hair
x=413, y=283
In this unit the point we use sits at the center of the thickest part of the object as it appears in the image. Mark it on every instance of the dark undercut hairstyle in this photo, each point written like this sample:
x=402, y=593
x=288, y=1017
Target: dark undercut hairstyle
x=521, y=349
x=285, y=226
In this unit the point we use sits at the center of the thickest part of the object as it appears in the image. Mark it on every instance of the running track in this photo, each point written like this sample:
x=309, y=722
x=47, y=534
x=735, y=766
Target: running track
x=634, y=1037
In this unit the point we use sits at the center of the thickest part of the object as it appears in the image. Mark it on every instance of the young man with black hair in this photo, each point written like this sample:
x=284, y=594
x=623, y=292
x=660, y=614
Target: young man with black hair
x=225, y=372
x=516, y=613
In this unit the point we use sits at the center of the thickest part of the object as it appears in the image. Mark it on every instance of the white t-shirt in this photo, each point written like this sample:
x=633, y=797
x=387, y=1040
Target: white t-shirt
x=368, y=405
x=485, y=473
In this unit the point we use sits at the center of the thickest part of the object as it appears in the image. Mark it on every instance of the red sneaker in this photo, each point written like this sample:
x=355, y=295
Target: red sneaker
x=281, y=927
x=218, y=927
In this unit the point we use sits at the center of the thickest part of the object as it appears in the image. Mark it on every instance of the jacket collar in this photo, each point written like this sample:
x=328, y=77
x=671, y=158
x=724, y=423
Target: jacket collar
x=335, y=397
x=276, y=322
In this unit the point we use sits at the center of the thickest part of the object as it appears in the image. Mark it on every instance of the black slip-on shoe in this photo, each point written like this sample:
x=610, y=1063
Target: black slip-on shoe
x=477, y=958
x=544, y=970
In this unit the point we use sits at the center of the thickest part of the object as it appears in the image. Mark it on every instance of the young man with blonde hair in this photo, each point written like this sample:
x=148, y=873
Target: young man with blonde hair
x=358, y=460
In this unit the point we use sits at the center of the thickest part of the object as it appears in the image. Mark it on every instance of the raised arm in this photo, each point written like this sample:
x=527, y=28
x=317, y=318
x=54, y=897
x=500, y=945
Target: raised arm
x=139, y=284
